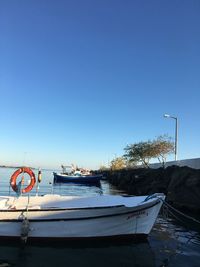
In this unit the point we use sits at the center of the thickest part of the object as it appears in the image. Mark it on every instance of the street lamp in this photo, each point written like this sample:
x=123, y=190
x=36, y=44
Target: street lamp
x=176, y=133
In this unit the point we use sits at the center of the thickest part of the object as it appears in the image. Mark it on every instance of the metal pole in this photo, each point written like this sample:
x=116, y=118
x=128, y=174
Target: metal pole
x=176, y=135
x=176, y=140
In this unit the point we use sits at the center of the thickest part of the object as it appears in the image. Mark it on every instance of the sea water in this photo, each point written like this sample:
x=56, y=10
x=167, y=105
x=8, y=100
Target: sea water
x=172, y=242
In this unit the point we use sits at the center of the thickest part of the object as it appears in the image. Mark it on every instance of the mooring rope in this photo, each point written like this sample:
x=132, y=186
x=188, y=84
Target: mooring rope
x=175, y=213
x=179, y=212
x=25, y=226
x=165, y=204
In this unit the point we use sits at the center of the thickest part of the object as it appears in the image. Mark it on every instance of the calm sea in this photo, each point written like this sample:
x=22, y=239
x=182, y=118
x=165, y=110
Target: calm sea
x=171, y=242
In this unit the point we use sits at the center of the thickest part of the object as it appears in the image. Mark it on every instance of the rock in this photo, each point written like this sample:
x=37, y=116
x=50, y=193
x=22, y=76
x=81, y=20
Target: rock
x=184, y=188
x=181, y=185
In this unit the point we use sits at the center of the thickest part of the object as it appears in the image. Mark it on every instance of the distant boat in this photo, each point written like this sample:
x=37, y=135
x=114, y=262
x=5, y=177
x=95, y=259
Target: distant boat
x=74, y=178
x=76, y=175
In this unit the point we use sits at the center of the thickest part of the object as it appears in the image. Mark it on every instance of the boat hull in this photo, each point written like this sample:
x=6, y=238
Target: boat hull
x=84, y=179
x=81, y=223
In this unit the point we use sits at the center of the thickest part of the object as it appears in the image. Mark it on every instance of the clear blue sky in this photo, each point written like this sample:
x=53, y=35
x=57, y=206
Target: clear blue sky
x=79, y=80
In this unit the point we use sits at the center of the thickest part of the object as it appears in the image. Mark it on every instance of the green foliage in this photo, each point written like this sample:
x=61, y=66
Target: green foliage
x=162, y=147
x=143, y=152
x=139, y=152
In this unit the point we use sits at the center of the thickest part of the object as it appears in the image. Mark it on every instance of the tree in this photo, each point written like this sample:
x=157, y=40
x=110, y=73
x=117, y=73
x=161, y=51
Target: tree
x=144, y=151
x=162, y=147
x=118, y=164
x=139, y=152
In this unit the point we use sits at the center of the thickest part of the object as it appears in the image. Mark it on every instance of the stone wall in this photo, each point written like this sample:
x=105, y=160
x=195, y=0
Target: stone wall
x=181, y=185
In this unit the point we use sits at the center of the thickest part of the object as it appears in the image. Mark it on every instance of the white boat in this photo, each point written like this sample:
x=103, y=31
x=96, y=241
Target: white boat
x=68, y=217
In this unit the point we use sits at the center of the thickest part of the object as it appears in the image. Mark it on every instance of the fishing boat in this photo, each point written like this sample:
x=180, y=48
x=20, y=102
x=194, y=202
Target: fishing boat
x=76, y=175
x=74, y=178
x=69, y=217
x=56, y=217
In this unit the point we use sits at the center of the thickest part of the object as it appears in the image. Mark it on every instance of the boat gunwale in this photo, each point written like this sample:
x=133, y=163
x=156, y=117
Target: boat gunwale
x=82, y=218
x=77, y=208
x=59, y=209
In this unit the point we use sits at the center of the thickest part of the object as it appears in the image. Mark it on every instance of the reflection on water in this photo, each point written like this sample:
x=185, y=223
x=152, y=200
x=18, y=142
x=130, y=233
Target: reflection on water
x=87, y=255
x=170, y=243
x=71, y=189
x=167, y=245
x=47, y=186
x=174, y=245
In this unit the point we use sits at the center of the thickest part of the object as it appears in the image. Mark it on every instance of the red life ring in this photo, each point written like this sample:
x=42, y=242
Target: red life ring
x=13, y=179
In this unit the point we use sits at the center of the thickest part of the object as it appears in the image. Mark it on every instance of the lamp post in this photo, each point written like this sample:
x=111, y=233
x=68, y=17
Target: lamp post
x=176, y=133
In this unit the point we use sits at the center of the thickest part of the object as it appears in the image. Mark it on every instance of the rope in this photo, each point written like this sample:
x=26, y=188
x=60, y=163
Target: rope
x=27, y=206
x=25, y=226
x=170, y=210
x=171, y=207
x=192, y=235
x=179, y=212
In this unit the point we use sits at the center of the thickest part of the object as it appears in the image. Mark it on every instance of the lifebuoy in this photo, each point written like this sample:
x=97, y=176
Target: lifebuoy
x=13, y=179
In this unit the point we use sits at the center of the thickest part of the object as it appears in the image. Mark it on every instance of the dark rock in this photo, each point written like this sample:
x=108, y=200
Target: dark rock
x=181, y=185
